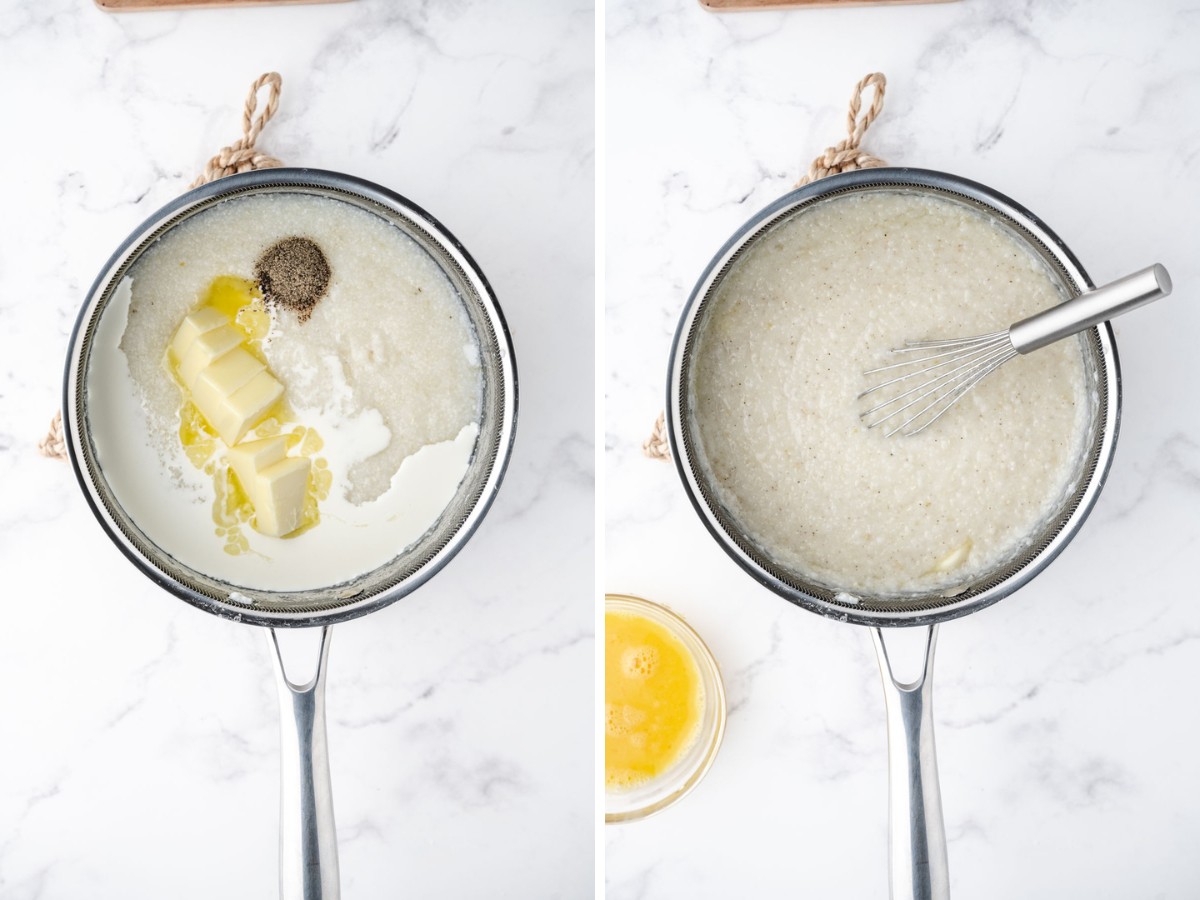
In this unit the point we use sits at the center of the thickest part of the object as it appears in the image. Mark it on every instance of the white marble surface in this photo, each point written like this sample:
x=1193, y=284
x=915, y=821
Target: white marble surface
x=138, y=735
x=1066, y=717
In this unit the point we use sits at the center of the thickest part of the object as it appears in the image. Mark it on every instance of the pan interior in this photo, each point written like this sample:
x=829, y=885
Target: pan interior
x=420, y=558
x=910, y=607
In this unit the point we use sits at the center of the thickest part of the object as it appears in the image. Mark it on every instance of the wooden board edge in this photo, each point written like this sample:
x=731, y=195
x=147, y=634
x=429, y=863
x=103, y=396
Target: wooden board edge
x=755, y=5
x=117, y=6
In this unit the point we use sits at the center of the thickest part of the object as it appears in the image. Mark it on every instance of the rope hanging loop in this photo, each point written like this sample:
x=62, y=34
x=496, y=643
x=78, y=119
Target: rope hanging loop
x=847, y=155
x=242, y=155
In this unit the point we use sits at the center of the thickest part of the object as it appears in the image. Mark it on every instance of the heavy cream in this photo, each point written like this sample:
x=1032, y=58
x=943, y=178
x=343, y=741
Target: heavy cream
x=778, y=365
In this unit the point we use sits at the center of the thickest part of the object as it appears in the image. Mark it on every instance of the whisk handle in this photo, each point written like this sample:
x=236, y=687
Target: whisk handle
x=1090, y=309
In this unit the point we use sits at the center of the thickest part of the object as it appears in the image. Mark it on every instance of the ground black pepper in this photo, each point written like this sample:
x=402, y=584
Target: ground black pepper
x=293, y=273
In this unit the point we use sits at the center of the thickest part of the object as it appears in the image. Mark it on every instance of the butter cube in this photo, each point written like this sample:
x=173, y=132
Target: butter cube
x=200, y=322
x=955, y=557
x=218, y=382
x=248, y=458
x=238, y=412
x=279, y=494
x=206, y=349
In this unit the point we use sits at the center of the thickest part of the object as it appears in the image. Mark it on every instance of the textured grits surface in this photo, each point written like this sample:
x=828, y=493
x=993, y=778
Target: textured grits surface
x=778, y=367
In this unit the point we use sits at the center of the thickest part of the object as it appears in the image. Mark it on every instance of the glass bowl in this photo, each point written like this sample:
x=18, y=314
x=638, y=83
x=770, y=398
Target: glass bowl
x=677, y=781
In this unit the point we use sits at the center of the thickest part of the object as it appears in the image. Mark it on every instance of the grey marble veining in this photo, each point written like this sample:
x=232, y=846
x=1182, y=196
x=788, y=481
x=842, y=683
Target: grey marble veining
x=140, y=736
x=1064, y=717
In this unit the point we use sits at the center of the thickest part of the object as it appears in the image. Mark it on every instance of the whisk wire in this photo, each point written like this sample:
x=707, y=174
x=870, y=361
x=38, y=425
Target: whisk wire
x=952, y=342
x=969, y=352
x=942, y=382
x=966, y=362
x=949, y=348
x=948, y=400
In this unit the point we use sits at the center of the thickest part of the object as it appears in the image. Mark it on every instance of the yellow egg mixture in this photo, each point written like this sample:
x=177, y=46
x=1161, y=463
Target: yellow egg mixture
x=241, y=301
x=654, y=699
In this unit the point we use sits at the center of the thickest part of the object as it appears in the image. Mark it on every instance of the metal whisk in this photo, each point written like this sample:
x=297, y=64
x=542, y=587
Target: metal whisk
x=947, y=370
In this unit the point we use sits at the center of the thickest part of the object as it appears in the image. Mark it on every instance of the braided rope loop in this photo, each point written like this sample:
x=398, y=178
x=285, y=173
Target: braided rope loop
x=847, y=155
x=54, y=444
x=242, y=155
x=656, y=446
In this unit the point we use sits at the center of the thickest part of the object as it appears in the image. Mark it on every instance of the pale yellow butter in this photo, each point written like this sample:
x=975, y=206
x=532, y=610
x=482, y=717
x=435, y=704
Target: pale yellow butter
x=246, y=407
x=200, y=322
x=234, y=391
x=275, y=484
x=206, y=349
x=217, y=385
x=227, y=374
x=955, y=557
x=229, y=385
x=247, y=459
x=279, y=494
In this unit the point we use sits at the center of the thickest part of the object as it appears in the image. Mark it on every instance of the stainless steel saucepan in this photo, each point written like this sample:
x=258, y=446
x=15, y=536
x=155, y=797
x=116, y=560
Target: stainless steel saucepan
x=917, y=841
x=308, y=845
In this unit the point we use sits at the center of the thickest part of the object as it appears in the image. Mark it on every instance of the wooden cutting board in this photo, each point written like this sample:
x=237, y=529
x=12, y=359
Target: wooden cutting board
x=729, y=5
x=130, y=5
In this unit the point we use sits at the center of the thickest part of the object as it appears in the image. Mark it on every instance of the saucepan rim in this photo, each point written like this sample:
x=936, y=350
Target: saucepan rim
x=237, y=603
x=932, y=608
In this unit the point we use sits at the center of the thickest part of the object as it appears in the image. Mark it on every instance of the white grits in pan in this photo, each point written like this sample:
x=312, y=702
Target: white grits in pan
x=778, y=365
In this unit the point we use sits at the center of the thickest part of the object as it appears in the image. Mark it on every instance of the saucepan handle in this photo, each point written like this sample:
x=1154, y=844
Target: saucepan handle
x=916, y=832
x=308, y=865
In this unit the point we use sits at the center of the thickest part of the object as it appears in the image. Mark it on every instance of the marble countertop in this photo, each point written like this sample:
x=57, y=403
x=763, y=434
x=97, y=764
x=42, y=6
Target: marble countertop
x=139, y=735
x=1064, y=715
